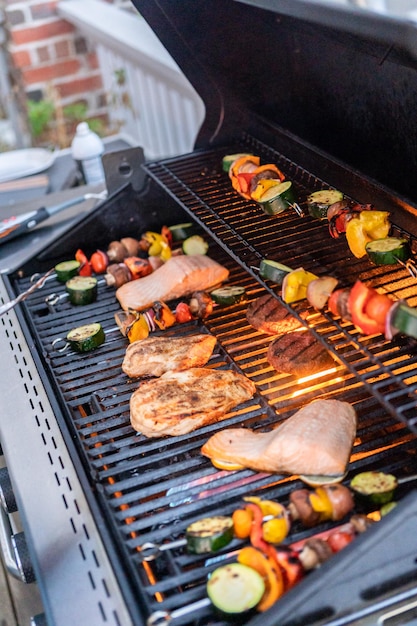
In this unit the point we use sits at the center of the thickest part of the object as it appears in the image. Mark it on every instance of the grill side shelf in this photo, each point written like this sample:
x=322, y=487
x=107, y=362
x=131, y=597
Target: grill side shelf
x=196, y=182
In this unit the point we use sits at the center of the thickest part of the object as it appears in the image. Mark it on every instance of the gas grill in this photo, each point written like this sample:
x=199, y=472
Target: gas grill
x=104, y=509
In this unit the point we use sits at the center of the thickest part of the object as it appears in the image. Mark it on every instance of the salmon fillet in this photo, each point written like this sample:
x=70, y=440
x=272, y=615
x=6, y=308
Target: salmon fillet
x=156, y=355
x=317, y=439
x=179, y=402
x=180, y=275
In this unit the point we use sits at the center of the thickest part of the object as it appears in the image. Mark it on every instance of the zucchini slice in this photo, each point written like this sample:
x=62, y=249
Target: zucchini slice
x=374, y=488
x=404, y=319
x=277, y=198
x=195, y=245
x=388, y=251
x=226, y=296
x=209, y=534
x=66, y=270
x=228, y=159
x=318, y=202
x=272, y=270
x=82, y=289
x=235, y=588
x=180, y=232
x=86, y=338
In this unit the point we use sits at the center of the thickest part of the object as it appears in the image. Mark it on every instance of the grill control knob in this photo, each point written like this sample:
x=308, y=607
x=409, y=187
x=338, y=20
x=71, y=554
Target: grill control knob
x=38, y=620
x=7, y=499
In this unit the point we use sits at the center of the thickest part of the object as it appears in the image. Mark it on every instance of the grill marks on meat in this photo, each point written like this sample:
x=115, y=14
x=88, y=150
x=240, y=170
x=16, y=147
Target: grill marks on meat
x=317, y=439
x=270, y=316
x=154, y=356
x=299, y=354
x=180, y=275
x=179, y=402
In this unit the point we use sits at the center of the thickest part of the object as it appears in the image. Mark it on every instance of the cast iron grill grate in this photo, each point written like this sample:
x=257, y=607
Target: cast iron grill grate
x=150, y=490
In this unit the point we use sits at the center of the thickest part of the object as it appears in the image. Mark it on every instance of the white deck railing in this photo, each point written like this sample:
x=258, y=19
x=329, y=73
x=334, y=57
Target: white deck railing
x=149, y=97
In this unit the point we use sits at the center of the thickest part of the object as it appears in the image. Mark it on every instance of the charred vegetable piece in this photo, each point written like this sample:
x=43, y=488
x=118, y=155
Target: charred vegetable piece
x=374, y=488
x=201, y=304
x=272, y=270
x=388, y=251
x=319, y=202
x=278, y=198
x=404, y=319
x=235, y=589
x=86, y=338
x=319, y=291
x=369, y=225
x=138, y=267
x=180, y=232
x=195, y=245
x=66, y=270
x=294, y=285
x=82, y=289
x=226, y=296
x=209, y=534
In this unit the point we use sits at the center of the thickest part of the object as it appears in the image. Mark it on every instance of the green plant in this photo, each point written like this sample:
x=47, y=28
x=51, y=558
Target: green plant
x=40, y=115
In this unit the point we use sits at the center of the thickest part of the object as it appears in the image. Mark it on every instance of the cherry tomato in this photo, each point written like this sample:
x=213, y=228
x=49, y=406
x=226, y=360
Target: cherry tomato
x=378, y=306
x=183, y=313
x=339, y=539
x=99, y=261
x=85, y=269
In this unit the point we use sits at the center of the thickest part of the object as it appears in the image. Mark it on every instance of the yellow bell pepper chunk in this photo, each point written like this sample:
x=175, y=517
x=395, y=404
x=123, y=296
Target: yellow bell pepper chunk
x=275, y=530
x=268, y=507
x=138, y=330
x=294, y=286
x=321, y=503
x=368, y=226
x=263, y=185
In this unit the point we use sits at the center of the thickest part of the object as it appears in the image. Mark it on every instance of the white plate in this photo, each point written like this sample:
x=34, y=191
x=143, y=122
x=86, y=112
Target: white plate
x=20, y=163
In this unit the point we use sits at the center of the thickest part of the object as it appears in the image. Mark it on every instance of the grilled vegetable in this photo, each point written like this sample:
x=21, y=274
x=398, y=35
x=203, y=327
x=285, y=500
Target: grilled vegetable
x=404, y=319
x=201, y=304
x=209, y=534
x=195, y=245
x=388, y=251
x=294, y=285
x=66, y=270
x=229, y=159
x=277, y=198
x=270, y=571
x=367, y=226
x=368, y=308
x=327, y=502
x=374, y=488
x=158, y=245
x=85, y=269
x=82, y=289
x=183, y=313
x=272, y=270
x=180, y=232
x=86, y=338
x=235, y=589
x=117, y=274
x=99, y=261
x=319, y=291
x=226, y=296
x=319, y=202
x=338, y=303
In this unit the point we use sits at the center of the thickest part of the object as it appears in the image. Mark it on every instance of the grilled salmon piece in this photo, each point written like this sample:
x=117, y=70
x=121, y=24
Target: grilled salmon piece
x=317, y=439
x=179, y=276
x=179, y=402
x=154, y=356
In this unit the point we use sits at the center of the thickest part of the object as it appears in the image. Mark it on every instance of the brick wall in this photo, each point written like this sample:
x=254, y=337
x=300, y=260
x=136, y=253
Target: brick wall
x=51, y=57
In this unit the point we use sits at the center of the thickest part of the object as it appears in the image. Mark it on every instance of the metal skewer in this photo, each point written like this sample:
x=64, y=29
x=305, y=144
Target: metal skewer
x=39, y=283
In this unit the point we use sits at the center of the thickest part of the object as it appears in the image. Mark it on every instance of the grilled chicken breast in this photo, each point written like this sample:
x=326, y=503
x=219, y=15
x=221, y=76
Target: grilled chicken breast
x=155, y=355
x=179, y=276
x=317, y=439
x=179, y=402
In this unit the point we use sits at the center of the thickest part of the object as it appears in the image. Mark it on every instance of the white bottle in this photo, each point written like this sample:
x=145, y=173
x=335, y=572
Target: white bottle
x=86, y=149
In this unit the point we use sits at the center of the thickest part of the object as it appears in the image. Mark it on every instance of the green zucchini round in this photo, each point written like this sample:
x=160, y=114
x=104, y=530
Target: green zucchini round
x=404, y=319
x=180, y=232
x=66, y=270
x=272, y=270
x=388, y=251
x=226, y=296
x=318, y=202
x=195, y=245
x=277, y=198
x=82, y=289
x=374, y=488
x=86, y=338
x=235, y=589
x=209, y=534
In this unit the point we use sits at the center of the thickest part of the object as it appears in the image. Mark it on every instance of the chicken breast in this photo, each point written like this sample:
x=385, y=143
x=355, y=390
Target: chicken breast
x=180, y=275
x=156, y=355
x=179, y=402
x=317, y=439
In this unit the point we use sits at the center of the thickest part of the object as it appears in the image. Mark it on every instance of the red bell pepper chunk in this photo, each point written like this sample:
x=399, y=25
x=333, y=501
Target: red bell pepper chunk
x=99, y=261
x=256, y=532
x=85, y=269
x=359, y=298
x=244, y=181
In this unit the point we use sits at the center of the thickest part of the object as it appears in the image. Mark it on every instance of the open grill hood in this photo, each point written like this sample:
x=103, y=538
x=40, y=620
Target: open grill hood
x=106, y=523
